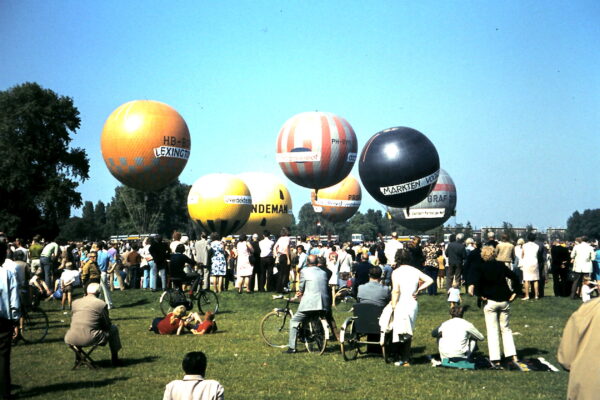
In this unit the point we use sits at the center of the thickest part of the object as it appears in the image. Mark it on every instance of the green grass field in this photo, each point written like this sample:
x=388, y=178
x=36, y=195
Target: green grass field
x=249, y=369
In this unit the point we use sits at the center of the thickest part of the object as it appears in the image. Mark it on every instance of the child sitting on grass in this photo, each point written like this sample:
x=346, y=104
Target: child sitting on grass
x=457, y=338
x=587, y=288
x=172, y=323
x=199, y=327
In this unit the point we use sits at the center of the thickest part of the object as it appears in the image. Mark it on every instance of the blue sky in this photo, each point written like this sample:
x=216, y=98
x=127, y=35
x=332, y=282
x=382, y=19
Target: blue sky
x=509, y=92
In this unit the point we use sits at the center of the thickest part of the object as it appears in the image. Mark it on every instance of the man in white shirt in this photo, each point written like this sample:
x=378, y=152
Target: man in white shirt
x=457, y=337
x=193, y=386
x=267, y=262
x=47, y=259
x=581, y=255
x=391, y=247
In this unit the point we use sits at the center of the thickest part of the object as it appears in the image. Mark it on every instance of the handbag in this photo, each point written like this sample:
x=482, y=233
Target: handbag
x=572, y=276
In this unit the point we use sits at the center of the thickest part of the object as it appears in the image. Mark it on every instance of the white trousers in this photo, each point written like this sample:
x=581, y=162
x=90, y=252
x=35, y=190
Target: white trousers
x=496, y=321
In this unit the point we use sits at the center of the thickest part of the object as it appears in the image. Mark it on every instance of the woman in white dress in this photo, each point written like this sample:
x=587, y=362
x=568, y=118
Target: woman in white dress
x=334, y=266
x=518, y=263
x=244, y=268
x=529, y=265
x=407, y=282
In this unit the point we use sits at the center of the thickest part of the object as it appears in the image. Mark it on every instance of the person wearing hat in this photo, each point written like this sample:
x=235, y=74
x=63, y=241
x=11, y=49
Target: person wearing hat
x=91, y=325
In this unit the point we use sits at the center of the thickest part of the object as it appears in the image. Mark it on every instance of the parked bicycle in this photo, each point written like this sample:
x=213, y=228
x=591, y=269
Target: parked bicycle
x=274, y=328
x=33, y=325
x=205, y=299
x=344, y=299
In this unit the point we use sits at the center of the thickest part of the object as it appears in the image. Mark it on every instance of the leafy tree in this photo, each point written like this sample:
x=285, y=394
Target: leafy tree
x=586, y=223
x=507, y=228
x=100, y=220
x=40, y=172
x=133, y=211
x=74, y=229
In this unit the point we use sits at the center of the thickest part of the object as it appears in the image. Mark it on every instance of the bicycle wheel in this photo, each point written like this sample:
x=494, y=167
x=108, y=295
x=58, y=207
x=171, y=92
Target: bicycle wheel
x=166, y=301
x=314, y=335
x=35, y=326
x=349, y=346
x=274, y=328
x=344, y=300
x=208, y=301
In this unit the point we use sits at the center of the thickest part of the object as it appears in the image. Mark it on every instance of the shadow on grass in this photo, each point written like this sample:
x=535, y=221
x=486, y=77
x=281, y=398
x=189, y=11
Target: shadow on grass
x=140, y=302
x=531, y=352
x=129, y=318
x=106, y=363
x=60, y=387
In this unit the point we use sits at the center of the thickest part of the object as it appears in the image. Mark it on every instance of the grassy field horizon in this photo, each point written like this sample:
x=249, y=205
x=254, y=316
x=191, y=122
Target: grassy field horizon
x=249, y=369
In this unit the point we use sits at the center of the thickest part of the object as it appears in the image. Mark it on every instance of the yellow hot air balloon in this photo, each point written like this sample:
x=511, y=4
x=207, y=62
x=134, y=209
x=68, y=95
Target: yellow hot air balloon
x=339, y=202
x=220, y=203
x=145, y=144
x=271, y=203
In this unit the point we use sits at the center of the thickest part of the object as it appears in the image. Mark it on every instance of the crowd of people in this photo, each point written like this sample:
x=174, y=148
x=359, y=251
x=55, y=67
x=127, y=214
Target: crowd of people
x=389, y=273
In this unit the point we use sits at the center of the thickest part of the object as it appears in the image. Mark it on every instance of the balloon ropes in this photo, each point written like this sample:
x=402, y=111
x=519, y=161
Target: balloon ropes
x=145, y=144
x=219, y=203
x=339, y=202
x=316, y=149
x=271, y=203
x=432, y=212
x=399, y=167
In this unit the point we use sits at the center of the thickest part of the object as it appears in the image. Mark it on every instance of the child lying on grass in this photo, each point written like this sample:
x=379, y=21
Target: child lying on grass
x=199, y=327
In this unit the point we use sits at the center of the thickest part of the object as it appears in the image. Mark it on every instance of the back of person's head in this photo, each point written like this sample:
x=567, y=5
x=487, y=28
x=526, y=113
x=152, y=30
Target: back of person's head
x=364, y=256
x=93, y=288
x=460, y=236
x=180, y=248
x=176, y=235
x=488, y=253
x=457, y=312
x=520, y=242
x=312, y=260
x=284, y=232
x=243, y=238
x=194, y=363
x=531, y=237
x=504, y=237
x=491, y=235
x=455, y=284
x=452, y=238
x=321, y=260
x=584, y=238
x=394, y=235
x=19, y=256
x=215, y=236
x=375, y=273
x=135, y=246
x=402, y=257
x=267, y=233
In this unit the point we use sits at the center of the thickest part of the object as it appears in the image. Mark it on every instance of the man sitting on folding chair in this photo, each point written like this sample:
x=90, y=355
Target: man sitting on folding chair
x=91, y=326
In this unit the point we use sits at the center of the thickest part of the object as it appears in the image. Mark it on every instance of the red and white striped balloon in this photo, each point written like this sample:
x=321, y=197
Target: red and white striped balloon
x=316, y=149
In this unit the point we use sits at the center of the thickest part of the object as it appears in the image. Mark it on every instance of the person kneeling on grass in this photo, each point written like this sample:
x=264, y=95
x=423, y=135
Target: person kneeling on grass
x=172, y=323
x=457, y=338
x=199, y=327
x=193, y=386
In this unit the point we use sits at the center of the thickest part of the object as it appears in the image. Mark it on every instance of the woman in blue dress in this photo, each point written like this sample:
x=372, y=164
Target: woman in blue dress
x=218, y=262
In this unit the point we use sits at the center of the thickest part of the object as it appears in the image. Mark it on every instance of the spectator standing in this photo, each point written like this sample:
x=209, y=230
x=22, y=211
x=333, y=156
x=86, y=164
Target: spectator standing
x=456, y=254
x=218, y=262
x=582, y=256
x=430, y=252
x=201, y=248
x=531, y=272
x=505, y=251
x=560, y=269
x=10, y=313
x=35, y=252
x=160, y=254
x=103, y=262
x=267, y=262
x=48, y=258
x=491, y=286
x=244, y=251
x=281, y=249
x=134, y=259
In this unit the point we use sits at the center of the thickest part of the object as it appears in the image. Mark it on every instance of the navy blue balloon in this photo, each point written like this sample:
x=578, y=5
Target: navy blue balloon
x=399, y=167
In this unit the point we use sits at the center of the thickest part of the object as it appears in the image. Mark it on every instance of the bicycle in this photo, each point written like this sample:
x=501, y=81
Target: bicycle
x=33, y=325
x=206, y=299
x=344, y=299
x=274, y=328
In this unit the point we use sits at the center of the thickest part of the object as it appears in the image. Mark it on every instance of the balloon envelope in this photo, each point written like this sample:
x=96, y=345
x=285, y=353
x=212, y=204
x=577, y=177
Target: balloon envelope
x=145, y=144
x=399, y=166
x=271, y=203
x=339, y=202
x=219, y=203
x=432, y=212
x=316, y=149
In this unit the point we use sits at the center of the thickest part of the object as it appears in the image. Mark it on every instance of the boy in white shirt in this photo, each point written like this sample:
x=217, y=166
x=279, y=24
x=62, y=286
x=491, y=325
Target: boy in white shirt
x=457, y=338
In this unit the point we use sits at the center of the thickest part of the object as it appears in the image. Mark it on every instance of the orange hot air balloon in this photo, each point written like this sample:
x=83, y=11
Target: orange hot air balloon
x=145, y=144
x=339, y=202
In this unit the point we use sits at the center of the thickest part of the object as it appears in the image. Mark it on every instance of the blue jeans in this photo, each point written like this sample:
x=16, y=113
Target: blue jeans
x=432, y=272
x=153, y=276
x=46, y=264
x=163, y=277
x=146, y=277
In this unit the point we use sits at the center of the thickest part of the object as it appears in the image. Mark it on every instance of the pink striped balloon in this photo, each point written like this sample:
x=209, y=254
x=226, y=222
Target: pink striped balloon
x=316, y=149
